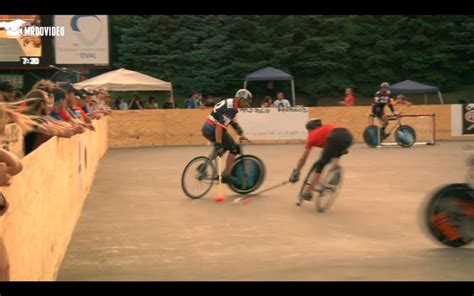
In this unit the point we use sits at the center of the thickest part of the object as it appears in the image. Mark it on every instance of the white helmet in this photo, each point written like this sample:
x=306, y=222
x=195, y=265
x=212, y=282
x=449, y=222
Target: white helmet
x=385, y=85
x=244, y=94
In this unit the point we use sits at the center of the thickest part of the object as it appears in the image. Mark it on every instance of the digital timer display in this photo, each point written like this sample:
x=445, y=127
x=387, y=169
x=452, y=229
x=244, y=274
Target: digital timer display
x=30, y=60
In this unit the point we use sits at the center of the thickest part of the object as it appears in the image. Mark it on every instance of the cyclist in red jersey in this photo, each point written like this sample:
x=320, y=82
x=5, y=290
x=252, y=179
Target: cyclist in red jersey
x=333, y=139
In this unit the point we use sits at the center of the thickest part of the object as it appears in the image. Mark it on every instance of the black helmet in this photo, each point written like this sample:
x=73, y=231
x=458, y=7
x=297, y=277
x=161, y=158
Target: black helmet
x=244, y=94
x=313, y=123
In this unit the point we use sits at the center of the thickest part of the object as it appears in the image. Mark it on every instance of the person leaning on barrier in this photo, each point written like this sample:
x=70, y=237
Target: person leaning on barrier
x=169, y=104
x=102, y=101
x=349, y=100
x=7, y=91
x=280, y=101
x=10, y=164
x=71, y=112
x=402, y=100
x=38, y=105
x=267, y=102
x=61, y=115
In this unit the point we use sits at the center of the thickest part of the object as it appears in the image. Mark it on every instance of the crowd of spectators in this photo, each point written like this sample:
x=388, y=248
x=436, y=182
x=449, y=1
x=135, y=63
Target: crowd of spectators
x=48, y=109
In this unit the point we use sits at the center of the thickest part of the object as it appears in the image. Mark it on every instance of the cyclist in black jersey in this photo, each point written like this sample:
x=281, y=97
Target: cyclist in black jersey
x=215, y=128
x=381, y=99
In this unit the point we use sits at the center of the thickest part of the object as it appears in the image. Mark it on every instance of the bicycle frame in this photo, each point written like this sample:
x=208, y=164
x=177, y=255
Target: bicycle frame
x=213, y=158
x=390, y=118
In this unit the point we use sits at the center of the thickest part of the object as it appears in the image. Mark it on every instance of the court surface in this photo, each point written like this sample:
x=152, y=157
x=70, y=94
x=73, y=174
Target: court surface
x=138, y=225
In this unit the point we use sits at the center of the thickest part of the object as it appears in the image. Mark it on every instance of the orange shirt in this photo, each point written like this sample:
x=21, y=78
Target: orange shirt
x=319, y=136
x=83, y=114
x=349, y=100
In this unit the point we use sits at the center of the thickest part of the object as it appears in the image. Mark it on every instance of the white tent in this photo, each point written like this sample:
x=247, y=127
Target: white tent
x=125, y=80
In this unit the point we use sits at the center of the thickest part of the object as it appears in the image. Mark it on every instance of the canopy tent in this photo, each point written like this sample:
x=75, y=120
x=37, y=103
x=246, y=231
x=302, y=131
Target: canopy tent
x=125, y=80
x=414, y=87
x=270, y=74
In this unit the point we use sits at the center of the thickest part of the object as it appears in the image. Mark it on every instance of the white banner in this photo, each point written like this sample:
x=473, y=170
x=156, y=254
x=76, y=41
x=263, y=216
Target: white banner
x=274, y=123
x=85, y=40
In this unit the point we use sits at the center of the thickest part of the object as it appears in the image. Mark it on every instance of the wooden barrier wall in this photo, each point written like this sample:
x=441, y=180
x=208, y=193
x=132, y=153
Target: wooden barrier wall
x=46, y=200
x=137, y=128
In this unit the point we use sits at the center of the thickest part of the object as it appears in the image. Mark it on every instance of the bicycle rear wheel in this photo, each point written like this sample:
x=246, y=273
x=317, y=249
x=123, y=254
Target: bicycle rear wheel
x=198, y=177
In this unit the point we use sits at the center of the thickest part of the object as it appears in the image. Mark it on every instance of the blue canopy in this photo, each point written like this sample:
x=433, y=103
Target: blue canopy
x=413, y=87
x=268, y=73
x=409, y=86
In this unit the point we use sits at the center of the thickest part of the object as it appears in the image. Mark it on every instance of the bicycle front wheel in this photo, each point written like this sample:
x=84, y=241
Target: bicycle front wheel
x=331, y=184
x=249, y=171
x=446, y=216
x=198, y=177
x=405, y=136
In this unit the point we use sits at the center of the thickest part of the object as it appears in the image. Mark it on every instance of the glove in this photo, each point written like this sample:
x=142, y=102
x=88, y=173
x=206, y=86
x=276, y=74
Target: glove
x=219, y=149
x=295, y=176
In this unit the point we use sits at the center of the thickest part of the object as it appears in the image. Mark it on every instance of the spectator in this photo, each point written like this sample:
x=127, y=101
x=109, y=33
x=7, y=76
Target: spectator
x=402, y=100
x=10, y=166
x=210, y=102
x=37, y=107
x=191, y=103
x=101, y=103
x=86, y=95
x=76, y=114
x=59, y=96
x=122, y=104
x=349, y=100
x=41, y=106
x=136, y=103
x=117, y=103
x=169, y=104
x=58, y=112
x=152, y=104
x=7, y=92
x=267, y=102
x=18, y=96
x=200, y=101
x=280, y=101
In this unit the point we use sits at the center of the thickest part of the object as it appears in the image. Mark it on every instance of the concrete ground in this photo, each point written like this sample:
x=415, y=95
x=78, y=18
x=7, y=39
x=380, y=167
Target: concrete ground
x=137, y=223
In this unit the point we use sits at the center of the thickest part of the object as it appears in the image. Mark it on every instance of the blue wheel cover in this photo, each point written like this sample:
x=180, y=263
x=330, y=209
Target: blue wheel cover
x=253, y=171
x=405, y=136
x=372, y=134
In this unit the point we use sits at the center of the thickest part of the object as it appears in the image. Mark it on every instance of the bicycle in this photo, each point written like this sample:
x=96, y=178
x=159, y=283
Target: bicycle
x=330, y=184
x=449, y=215
x=200, y=174
x=404, y=135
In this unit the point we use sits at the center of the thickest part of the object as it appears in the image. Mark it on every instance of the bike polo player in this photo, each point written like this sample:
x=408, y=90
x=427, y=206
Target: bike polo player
x=382, y=98
x=333, y=139
x=215, y=129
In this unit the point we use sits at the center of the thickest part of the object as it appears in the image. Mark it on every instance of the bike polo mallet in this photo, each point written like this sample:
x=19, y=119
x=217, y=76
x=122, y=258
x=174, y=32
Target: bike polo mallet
x=238, y=200
x=220, y=197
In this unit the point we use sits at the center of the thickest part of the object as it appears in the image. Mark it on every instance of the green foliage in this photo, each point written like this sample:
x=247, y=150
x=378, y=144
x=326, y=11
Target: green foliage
x=325, y=54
